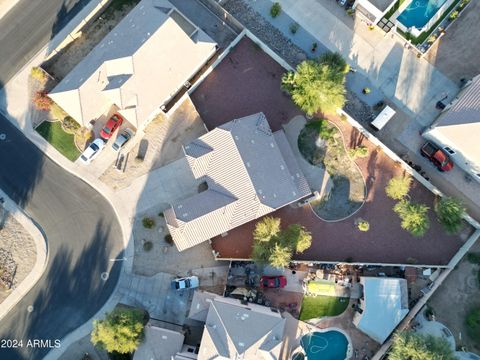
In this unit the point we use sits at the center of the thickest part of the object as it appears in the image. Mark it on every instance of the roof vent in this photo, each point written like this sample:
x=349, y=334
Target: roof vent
x=260, y=191
x=164, y=337
x=241, y=344
x=252, y=141
x=236, y=137
x=180, y=206
x=272, y=145
x=282, y=167
x=248, y=164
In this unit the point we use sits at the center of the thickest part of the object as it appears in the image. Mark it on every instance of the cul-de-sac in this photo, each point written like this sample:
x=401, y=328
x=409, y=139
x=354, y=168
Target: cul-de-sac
x=239, y=179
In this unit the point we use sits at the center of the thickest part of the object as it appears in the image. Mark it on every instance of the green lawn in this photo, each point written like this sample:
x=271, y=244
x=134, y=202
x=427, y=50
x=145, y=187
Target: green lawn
x=321, y=287
x=319, y=306
x=60, y=140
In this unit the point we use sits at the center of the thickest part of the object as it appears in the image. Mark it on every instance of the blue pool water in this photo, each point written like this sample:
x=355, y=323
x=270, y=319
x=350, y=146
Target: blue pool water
x=419, y=12
x=329, y=345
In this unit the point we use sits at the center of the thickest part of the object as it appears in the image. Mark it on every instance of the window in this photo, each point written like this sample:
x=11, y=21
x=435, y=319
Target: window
x=449, y=150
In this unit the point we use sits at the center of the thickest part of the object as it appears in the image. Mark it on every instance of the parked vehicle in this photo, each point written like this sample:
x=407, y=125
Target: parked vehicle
x=342, y=2
x=273, y=281
x=383, y=118
x=437, y=156
x=122, y=139
x=111, y=126
x=190, y=282
x=92, y=151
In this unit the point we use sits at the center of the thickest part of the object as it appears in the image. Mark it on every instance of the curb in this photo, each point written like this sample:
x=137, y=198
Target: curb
x=41, y=261
x=7, y=6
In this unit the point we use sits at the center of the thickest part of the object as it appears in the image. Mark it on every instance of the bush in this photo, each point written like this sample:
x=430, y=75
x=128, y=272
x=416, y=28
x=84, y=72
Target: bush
x=409, y=345
x=294, y=27
x=414, y=217
x=398, y=187
x=148, y=223
x=38, y=74
x=121, y=331
x=366, y=90
x=359, y=151
x=57, y=112
x=473, y=258
x=42, y=101
x=70, y=125
x=363, y=225
x=431, y=39
x=450, y=213
x=147, y=245
x=276, y=9
x=168, y=239
x=453, y=15
x=473, y=323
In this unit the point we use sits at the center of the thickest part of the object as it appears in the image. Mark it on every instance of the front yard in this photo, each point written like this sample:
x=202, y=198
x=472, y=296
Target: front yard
x=60, y=140
x=314, y=307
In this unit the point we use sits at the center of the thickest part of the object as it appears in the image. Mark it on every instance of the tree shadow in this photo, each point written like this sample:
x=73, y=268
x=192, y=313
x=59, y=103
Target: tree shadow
x=71, y=284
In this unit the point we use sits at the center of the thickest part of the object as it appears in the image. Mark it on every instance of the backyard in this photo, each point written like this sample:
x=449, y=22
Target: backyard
x=257, y=79
x=314, y=307
x=60, y=140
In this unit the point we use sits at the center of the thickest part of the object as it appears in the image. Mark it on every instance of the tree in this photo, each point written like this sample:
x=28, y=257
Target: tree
x=120, y=331
x=473, y=323
x=297, y=238
x=280, y=256
x=42, y=101
x=412, y=346
x=318, y=85
x=450, y=213
x=398, y=187
x=414, y=217
x=273, y=246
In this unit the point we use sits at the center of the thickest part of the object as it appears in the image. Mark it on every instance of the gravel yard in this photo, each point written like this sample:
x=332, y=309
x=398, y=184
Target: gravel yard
x=18, y=243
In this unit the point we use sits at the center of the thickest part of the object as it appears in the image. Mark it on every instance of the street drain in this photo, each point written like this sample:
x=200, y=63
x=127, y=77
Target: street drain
x=30, y=308
x=104, y=276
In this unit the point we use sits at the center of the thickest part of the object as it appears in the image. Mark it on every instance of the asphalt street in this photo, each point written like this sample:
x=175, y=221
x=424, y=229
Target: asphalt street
x=81, y=228
x=27, y=27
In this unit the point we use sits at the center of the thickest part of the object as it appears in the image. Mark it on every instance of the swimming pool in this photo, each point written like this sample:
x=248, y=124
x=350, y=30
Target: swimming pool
x=419, y=12
x=328, y=345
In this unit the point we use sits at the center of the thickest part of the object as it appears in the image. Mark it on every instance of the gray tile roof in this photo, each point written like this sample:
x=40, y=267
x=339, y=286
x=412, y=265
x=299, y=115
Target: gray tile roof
x=233, y=330
x=250, y=172
x=459, y=126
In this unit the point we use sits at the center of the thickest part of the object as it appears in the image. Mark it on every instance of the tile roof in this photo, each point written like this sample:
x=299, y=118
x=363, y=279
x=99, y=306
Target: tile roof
x=250, y=172
x=138, y=66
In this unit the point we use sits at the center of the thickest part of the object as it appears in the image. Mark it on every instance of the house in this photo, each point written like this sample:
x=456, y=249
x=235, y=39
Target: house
x=249, y=170
x=137, y=68
x=241, y=331
x=372, y=11
x=383, y=305
x=457, y=129
x=163, y=344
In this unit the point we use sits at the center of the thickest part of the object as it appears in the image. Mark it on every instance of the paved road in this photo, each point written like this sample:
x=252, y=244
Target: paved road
x=27, y=27
x=81, y=227
x=83, y=234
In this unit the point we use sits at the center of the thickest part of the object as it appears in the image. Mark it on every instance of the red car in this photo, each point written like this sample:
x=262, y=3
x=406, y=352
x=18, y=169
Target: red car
x=273, y=281
x=437, y=156
x=112, y=124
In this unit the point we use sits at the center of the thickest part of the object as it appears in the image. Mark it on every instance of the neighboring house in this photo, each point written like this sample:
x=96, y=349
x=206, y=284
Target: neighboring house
x=249, y=171
x=200, y=304
x=237, y=331
x=457, y=129
x=163, y=344
x=137, y=68
x=373, y=10
x=383, y=305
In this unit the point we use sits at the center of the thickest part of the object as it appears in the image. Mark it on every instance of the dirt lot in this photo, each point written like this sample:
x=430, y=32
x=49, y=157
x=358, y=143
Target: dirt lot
x=15, y=240
x=256, y=80
x=459, y=293
x=457, y=52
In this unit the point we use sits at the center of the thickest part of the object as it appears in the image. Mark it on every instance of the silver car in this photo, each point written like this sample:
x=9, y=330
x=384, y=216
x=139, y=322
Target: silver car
x=122, y=139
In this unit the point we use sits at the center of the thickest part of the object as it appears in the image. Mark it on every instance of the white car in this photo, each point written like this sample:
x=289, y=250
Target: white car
x=190, y=282
x=92, y=151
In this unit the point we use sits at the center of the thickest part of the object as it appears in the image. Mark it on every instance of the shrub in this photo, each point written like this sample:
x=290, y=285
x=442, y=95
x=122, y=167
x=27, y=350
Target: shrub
x=414, y=217
x=359, y=151
x=147, y=245
x=148, y=223
x=473, y=323
x=168, y=239
x=314, y=47
x=42, y=101
x=431, y=39
x=39, y=74
x=473, y=258
x=57, y=112
x=363, y=225
x=366, y=90
x=294, y=27
x=276, y=9
x=453, y=15
x=450, y=213
x=70, y=125
x=120, y=331
x=398, y=187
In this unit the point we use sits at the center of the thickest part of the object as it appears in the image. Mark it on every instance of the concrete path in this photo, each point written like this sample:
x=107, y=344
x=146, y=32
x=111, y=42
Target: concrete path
x=41, y=254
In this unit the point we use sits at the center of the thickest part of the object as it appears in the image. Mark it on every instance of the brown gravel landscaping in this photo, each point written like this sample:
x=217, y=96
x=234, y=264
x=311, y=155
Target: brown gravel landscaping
x=253, y=84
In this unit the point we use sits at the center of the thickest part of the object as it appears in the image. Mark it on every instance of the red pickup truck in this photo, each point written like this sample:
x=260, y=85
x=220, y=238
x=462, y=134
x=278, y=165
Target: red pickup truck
x=437, y=156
